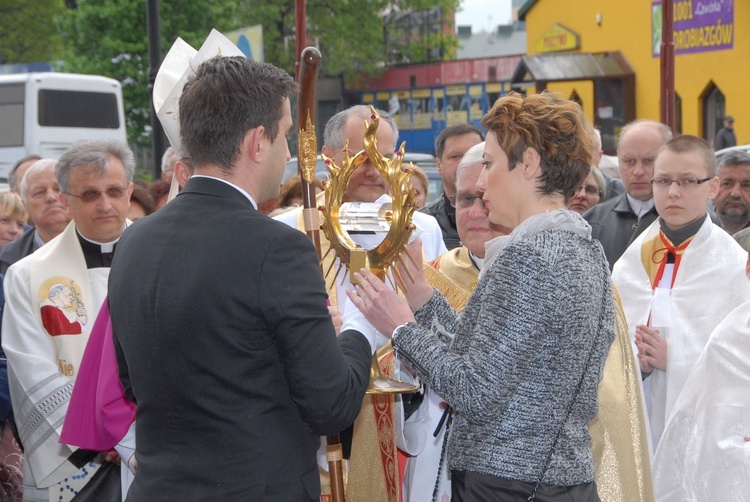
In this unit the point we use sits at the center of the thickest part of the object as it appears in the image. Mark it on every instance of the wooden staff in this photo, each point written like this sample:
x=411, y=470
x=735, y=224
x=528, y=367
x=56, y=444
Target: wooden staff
x=307, y=143
x=307, y=155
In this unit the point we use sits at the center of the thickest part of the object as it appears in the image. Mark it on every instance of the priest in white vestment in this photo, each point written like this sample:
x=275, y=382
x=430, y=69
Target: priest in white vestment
x=95, y=180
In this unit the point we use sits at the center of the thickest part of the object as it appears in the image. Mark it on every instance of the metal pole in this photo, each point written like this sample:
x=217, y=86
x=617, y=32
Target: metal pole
x=667, y=93
x=158, y=139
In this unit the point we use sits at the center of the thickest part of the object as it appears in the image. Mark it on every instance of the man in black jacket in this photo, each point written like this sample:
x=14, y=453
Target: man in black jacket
x=450, y=147
x=221, y=329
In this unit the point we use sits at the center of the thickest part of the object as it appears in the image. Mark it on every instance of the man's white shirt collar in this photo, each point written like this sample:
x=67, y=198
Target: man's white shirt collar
x=243, y=192
x=640, y=207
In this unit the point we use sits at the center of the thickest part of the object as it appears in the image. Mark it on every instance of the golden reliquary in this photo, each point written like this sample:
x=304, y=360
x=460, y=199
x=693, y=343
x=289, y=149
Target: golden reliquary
x=393, y=218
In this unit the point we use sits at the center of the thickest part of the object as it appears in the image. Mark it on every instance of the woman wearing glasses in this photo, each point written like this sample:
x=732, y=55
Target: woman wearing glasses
x=590, y=193
x=524, y=359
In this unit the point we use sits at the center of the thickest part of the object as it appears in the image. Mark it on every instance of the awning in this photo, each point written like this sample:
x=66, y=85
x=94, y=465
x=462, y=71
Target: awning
x=571, y=66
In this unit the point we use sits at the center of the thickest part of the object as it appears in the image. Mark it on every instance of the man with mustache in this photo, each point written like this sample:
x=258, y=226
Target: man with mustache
x=733, y=199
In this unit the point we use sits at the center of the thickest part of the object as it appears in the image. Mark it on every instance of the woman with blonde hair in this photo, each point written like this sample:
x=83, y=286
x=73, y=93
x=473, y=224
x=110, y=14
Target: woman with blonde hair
x=13, y=217
x=522, y=363
x=421, y=184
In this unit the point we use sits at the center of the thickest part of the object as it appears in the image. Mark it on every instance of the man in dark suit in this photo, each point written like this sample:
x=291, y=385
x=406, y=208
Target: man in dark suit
x=221, y=329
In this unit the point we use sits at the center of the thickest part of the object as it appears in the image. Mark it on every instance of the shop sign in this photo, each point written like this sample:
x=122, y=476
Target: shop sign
x=699, y=26
x=556, y=39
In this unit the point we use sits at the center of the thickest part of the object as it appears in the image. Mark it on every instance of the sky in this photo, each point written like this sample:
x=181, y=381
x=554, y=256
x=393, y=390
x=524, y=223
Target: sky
x=483, y=14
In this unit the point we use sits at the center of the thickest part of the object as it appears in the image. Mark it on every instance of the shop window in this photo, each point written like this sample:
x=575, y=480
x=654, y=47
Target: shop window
x=714, y=108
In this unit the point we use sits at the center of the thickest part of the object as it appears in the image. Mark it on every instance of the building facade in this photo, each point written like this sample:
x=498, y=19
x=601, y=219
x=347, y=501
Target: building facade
x=712, y=69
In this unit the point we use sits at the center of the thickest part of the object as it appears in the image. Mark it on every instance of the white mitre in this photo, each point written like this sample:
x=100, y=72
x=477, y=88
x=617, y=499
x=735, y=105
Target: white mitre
x=179, y=65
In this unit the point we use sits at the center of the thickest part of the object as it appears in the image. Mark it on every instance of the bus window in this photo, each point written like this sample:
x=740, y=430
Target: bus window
x=96, y=110
x=11, y=110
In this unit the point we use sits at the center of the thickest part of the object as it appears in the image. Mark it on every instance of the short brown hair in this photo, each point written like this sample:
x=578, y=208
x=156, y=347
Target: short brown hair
x=226, y=98
x=556, y=128
x=687, y=143
x=142, y=197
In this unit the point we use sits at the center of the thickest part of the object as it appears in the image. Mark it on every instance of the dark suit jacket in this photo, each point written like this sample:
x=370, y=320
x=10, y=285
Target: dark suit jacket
x=14, y=251
x=616, y=226
x=224, y=341
x=445, y=214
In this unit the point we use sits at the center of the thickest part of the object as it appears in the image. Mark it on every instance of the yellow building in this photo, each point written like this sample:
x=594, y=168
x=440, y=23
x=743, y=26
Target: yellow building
x=607, y=44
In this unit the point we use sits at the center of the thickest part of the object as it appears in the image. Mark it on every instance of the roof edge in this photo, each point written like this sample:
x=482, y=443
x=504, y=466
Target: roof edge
x=525, y=9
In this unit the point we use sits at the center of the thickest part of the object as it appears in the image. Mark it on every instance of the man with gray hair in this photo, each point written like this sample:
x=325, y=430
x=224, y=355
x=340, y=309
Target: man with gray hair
x=40, y=194
x=614, y=186
x=168, y=161
x=450, y=147
x=95, y=182
x=733, y=200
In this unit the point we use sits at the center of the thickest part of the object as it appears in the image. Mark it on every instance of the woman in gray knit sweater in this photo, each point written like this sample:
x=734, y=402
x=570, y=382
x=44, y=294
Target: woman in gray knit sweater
x=522, y=363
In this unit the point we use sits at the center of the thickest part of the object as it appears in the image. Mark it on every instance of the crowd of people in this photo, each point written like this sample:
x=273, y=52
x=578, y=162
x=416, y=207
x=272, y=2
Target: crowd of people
x=574, y=336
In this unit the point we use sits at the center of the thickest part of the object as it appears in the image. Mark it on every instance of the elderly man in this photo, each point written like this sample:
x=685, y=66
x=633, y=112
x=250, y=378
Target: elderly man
x=461, y=265
x=733, y=200
x=450, y=147
x=366, y=183
x=168, y=161
x=618, y=221
x=39, y=190
x=95, y=180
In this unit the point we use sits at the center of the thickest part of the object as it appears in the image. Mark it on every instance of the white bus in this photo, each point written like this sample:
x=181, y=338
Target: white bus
x=44, y=113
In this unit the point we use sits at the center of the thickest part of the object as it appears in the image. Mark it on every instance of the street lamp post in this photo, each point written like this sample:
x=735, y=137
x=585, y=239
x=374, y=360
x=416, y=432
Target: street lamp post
x=158, y=140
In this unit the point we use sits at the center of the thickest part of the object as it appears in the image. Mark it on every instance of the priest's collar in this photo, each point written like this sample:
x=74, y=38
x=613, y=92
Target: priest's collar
x=677, y=237
x=243, y=192
x=97, y=254
x=640, y=207
x=477, y=261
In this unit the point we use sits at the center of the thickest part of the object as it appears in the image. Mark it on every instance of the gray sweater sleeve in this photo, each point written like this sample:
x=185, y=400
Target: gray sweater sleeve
x=481, y=380
x=437, y=314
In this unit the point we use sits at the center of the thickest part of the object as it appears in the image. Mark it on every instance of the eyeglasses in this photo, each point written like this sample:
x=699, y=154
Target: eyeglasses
x=686, y=183
x=464, y=201
x=93, y=195
x=590, y=191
